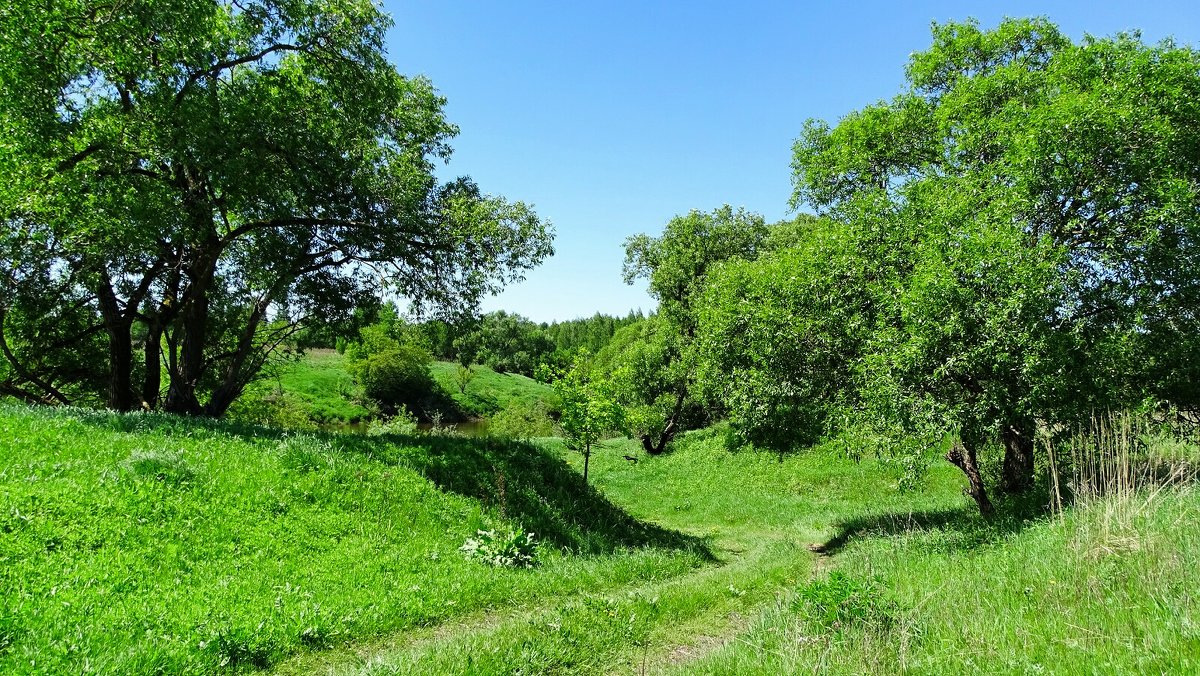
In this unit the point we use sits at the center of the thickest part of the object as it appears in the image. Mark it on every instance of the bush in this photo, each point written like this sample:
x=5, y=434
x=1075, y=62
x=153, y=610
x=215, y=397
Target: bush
x=401, y=423
x=839, y=602
x=275, y=409
x=523, y=420
x=398, y=377
x=503, y=546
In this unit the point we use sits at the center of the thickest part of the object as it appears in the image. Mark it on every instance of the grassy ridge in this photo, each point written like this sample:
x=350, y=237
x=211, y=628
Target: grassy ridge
x=488, y=391
x=146, y=543
x=317, y=389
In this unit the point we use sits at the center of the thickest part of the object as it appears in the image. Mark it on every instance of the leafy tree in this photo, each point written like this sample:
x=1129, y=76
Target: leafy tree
x=1024, y=230
x=222, y=174
x=463, y=375
x=506, y=343
x=660, y=376
x=651, y=380
x=779, y=336
x=589, y=408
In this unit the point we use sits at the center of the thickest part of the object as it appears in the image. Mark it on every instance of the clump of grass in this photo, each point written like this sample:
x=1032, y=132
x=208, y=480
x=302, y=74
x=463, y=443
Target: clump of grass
x=840, y=602
x=166, y=467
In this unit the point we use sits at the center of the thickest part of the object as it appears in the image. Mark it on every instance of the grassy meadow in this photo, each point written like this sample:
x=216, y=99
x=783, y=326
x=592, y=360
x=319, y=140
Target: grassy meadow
x=488, y=391
x=316, y=391
x=152, y=544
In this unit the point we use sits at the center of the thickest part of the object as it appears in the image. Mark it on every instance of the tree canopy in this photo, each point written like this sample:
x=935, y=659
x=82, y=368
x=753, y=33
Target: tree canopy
x=1014, y=241
x=207, y=177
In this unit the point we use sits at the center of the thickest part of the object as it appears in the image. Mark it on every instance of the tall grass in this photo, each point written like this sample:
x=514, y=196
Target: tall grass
x=1104, y=583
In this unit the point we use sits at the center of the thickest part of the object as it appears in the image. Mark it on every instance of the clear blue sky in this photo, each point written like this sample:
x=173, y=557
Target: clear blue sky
x=610, y=118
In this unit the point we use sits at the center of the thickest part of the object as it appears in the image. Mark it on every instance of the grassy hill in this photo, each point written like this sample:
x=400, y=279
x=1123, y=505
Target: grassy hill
x=488, y=391
x=317, y=390
x=898, y=583
x=145, y=543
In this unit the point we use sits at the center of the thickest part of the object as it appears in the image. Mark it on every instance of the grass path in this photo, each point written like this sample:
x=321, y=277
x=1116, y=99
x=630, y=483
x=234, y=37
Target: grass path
x=759, y=517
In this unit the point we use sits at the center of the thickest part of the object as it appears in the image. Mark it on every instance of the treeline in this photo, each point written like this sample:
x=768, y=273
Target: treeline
x=1008, y=246
x=503, y=341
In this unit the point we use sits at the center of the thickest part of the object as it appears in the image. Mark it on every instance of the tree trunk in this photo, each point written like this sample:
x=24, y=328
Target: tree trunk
x=152, y=380
x=181, y=393
x=120, y=366
x=587, y=455
x=120, y=345
x=962, y=456
x=669, y=430
x=1018, y=456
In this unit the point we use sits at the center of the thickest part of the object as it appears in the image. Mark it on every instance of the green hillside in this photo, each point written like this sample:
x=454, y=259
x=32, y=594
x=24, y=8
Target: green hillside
x=152, y=544
x=488, y=391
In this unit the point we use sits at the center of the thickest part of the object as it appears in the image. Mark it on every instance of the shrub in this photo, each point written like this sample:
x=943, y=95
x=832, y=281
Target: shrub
x=282, y=410
x=839, y=602
x=402, y=422
x=502, y=546
x=523, y=420
x=398, y=377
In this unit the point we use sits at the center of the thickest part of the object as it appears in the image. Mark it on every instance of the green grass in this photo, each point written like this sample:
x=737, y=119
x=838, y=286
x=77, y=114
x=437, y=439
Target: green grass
x=1081, y=594
x=134, y=544
x=146, y=543
x=318, y=386
x=488, y=391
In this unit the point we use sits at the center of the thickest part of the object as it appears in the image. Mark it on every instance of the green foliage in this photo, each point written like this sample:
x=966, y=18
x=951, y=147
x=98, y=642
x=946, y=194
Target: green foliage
x=462, y=377
x=505, y=343
x=502, y=547
x=590, y=410
x=675, y=263
x=651, y=380
x=227, y=176
x=523, y=420
x=1009, y=242
x=402, y=422
x=778, y=336
x=395, y=378
x=391, y=366
x=839, y=602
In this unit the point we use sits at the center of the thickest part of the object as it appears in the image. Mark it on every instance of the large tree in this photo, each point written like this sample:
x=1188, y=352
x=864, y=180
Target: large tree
x=216, y=175
x=658, y=374
x=1023, y=225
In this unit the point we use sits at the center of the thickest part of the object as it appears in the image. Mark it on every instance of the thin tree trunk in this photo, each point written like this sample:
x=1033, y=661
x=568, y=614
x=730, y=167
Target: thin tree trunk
x=962, y=455
x=669, y=430
x=152, y=380
x=587, y=455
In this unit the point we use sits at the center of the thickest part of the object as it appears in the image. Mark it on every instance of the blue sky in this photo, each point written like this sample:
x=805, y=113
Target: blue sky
x=610, y=118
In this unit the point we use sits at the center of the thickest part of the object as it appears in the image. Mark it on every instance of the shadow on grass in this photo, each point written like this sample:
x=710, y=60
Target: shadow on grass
x=959, y=529
x=521, y=482
x=533, y=487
